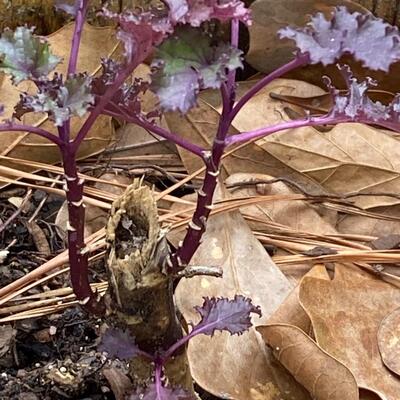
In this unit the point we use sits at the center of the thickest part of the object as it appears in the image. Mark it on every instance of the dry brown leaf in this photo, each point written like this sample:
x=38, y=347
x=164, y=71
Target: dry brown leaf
x=362, y=225
x=322, y=375
x=346, y=313
x=290, y=311
x=298, y=215
x=31, y=147
x=236, y=366
x=7, y=338
x=119, y=382
x=39, y=238
x=349, y=158
x=389, y=341
x=200, y=125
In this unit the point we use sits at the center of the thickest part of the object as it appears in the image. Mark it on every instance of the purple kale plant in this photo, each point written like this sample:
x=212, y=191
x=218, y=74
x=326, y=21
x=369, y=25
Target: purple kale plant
x=217, y=314
x=185, y=60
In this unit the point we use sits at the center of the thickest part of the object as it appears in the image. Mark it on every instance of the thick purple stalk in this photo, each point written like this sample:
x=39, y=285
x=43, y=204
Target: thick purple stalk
x=78, y=256
x=299, y=61
x=197, y=225
x=7, y=127
x=82, y=6
x=157, y=380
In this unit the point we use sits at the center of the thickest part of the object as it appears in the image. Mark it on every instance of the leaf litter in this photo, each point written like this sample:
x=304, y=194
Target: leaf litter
x=295, y=320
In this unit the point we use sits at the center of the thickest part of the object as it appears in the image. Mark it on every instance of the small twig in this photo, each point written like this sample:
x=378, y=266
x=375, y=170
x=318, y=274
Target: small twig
x=193, y=270
x=17, y=211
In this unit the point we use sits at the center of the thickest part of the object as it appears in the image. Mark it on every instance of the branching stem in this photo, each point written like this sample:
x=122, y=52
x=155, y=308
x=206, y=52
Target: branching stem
x=78, y=258
x=158, y=130
x=299, y=61
x=31, y=129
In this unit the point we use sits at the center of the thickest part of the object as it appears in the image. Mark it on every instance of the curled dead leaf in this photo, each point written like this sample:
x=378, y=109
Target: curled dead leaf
x=389, y=340
x=346, y=313
x=290, y=311
x=322, y=375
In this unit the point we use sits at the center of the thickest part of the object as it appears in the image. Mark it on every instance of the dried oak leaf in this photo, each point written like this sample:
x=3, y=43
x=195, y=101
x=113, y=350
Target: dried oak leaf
x=322, y=375
x=290, y=311
x=389, y=341
x=346, y=314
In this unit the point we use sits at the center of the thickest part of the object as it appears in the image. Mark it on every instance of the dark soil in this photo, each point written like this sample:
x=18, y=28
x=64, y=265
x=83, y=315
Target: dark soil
x=54, y=356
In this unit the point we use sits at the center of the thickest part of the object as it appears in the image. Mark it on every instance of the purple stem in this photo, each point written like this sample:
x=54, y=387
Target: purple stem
x=78, y=257
x=197, y=330
x=300, y=60
x=157, y=380
x=105, y=98
x=158, y=130
x=181, y=342
x=7, y=127
x=76, y=40
x=197, y=226
x=265, y=131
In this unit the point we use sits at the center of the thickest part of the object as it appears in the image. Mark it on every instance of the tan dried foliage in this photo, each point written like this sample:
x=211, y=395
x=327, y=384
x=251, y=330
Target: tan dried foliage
x=298, y=215
x=346, y=314
x=31, y=147
x=239, y=367
x=350, y=158
x=323, y=376
x=290, y=311
x=388, y=224
x=389, y=340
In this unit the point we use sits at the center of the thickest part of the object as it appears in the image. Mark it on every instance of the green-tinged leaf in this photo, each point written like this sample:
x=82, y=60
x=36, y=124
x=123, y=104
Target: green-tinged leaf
x=187, y=62
x=24, y=55
x=61, y=100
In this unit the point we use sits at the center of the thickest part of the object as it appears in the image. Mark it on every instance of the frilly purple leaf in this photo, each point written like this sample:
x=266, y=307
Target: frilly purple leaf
x=68, y=6
x=152, y=392
x=118, y=343
x=128, y=96
x=356, y=104
x=61, y=100
x=141, y=31
x=370, y=40
x=195, y=12
x=221, y=314
x=24, y=55
x=187, y=62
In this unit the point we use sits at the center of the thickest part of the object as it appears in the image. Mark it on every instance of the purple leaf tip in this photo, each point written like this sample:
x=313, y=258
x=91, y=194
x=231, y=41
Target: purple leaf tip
x=223, y=314
x=357, y=106
x=370, y=40
x=118, y=344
